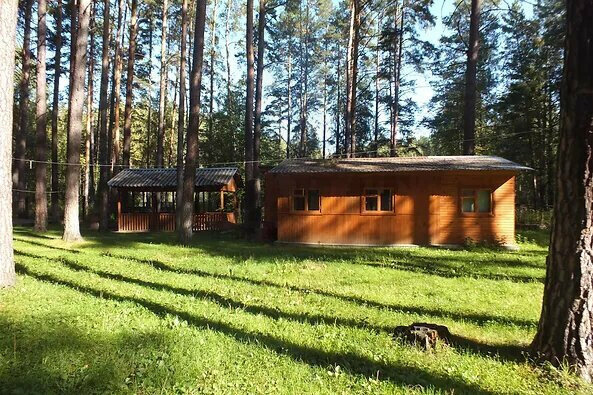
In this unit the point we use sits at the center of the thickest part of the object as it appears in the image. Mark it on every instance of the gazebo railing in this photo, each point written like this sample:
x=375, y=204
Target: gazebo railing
x=145, y=222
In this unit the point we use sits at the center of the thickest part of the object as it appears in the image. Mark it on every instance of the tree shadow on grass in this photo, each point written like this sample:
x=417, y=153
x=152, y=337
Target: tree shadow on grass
x=351, y=362
x=506, y=352
x=478, y=319
x=38, y=244
x=59, y=358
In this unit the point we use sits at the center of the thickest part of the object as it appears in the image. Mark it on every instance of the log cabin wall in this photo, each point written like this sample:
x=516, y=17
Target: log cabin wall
x=426, y=208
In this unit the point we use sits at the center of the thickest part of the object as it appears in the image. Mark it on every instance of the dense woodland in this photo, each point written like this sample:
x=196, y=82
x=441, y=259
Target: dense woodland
x=272, y=80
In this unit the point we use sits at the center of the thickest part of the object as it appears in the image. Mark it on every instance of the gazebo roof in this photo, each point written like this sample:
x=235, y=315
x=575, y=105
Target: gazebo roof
x=215, y=178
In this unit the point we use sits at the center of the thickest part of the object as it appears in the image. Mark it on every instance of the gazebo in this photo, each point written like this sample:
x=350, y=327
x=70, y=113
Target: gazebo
x=146, y=199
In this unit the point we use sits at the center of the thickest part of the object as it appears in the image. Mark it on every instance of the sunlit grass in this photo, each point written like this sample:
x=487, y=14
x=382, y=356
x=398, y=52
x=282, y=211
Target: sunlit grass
x=136, y=313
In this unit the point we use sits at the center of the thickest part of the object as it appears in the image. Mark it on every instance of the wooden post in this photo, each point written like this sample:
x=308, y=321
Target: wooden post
x=222, y=200
x=119, y=210
x=155, y=212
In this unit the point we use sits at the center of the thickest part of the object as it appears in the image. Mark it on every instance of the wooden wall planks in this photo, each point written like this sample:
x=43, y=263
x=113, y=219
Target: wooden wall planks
x=426, y=208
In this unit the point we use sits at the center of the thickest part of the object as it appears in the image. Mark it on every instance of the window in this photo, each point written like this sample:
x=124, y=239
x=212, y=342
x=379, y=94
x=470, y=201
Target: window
x=306, y=200
x=476, y=201
x=378, y=200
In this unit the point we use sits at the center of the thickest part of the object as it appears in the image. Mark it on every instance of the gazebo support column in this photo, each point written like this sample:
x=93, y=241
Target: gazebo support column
x=155, y=211
x=118, y=210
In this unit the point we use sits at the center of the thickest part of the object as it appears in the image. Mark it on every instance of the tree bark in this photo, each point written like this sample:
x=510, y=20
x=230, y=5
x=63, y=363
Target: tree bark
x=469, y=114
x=71, y=220
x=259, y=87
x=353, y=41
x=162, y=90
x=212, y=55
x=397, y=67
x=104, y=139
x=288, y=99
x=130, y=85
x=249, y=193
x=41, y=116
x=114, y=117
x=181, y=115
x=8, y=18
x=191, y=159
x=88, y=146
x=21, y=137
x=149, y=95
x=565, y=331
x=55, y=203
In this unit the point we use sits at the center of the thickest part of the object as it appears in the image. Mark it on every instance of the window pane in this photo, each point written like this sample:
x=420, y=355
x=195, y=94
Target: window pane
x=371, y=203
x=298, y=203
x=386, y=200
x=484, y=201
x=467, y=205
x=313, y=200
x=371, y=192
x=467, y=192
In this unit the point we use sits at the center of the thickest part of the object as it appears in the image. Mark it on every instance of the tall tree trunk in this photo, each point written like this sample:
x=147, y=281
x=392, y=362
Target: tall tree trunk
x=353, y=41
x=130, y=84
x=149, y=95
x=103, y=106
x=249, y=193
x=230, y=107
x=55, y=112
x=8, y=18
x=41, y=141
x=212, y=55
x=181, y=116
x=469, y=114
x=304, y=81
x=114, y=121
x=20, y=149
x=88, y=155
x=565, y=331
x=377, y=76
x=324, y=98
x=191, y=158
x=397, y=67
x=259, y=87
x=338, y=104
x=71, y=220
x=288, y=99
x=162, y=90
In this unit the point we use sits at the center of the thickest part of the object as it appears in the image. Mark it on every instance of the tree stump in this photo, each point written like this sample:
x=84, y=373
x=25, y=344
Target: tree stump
x=423, y=334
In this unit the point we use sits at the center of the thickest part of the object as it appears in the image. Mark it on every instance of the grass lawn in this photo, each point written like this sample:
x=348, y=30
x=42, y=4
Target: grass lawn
x=136, y=313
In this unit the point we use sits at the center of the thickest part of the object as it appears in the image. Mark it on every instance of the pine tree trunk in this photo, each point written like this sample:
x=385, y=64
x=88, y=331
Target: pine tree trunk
x=41, y=140
x=130, y=85
x=377, y=71
x=104, y=147
x=20, y=149
x=565, y=331
x=8, y=18
x=469, y=115
x=181, y=117
x=288, y=101
x=249, y=196
x=71, y=220
x=338, y=104
x=88, y=146
x=397, y=81
x=149, y=95
x=114, y=116
x=191, y=159
x=162, y=90
x=259, y=87
x=212, y=54
x=55, y=109
x=353, y=41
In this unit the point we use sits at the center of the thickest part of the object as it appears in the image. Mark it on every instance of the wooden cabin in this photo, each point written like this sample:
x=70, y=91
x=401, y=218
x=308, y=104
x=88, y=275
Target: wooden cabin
x=392, y=201
x=146, y=199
